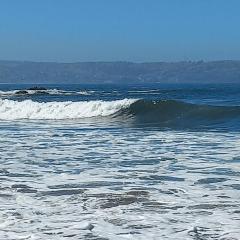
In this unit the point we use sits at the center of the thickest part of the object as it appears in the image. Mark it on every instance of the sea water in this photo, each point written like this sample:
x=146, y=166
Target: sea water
x=120, y=162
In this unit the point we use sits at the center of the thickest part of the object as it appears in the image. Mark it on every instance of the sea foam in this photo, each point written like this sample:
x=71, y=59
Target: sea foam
x=28, y=109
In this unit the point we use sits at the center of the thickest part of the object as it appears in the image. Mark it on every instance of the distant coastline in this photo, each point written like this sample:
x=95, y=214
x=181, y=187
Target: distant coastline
x=23, y=72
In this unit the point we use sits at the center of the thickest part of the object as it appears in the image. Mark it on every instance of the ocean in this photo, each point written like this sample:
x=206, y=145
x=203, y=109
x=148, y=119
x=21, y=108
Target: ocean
x=120, y=162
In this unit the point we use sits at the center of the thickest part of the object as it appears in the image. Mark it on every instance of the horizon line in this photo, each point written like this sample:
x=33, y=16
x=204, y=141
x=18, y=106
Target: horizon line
x=123, y=61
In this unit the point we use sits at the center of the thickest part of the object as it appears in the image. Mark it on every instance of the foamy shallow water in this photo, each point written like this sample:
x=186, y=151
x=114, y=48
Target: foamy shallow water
x=78, y=181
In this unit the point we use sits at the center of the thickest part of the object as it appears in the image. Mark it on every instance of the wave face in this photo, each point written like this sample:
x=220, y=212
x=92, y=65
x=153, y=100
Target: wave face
x=172, y=113
x=28, y=109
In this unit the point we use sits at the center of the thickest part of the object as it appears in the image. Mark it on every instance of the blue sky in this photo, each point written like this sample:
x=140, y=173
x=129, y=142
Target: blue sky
x=119, y=30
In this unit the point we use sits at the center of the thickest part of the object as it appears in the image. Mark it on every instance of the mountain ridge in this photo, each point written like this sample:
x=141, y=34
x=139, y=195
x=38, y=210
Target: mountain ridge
x=120, y=72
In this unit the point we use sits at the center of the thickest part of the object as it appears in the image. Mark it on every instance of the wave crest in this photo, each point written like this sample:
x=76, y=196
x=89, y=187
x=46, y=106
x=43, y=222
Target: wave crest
x=28, y=109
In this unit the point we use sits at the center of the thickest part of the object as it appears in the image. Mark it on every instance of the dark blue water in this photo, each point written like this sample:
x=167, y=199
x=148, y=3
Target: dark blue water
x=218, y=94
x=165, y=106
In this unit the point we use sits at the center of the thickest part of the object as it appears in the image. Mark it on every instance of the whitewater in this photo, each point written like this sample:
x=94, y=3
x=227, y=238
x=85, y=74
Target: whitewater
x=108, y=162
x=28, y=109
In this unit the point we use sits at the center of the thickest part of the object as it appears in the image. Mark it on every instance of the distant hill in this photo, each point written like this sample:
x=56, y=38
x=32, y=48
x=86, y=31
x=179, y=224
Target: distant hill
x=120, y=72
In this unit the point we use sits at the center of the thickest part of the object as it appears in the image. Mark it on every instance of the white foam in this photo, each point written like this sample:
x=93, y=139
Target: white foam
x=84, y=93
x=59, y=156
x=28, y=109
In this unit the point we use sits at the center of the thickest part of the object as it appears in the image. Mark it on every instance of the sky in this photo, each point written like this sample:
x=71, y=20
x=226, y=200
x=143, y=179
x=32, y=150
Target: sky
x=119, y=30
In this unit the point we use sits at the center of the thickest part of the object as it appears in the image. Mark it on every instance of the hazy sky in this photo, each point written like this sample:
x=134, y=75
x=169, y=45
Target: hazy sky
x=112, y=30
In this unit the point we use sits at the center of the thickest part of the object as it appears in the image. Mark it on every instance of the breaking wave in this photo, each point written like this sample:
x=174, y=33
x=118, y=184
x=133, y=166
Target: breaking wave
x=28, y=109
x=165, y=113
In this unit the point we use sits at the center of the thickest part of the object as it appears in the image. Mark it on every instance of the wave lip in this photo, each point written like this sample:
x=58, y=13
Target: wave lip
x=28, y=109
